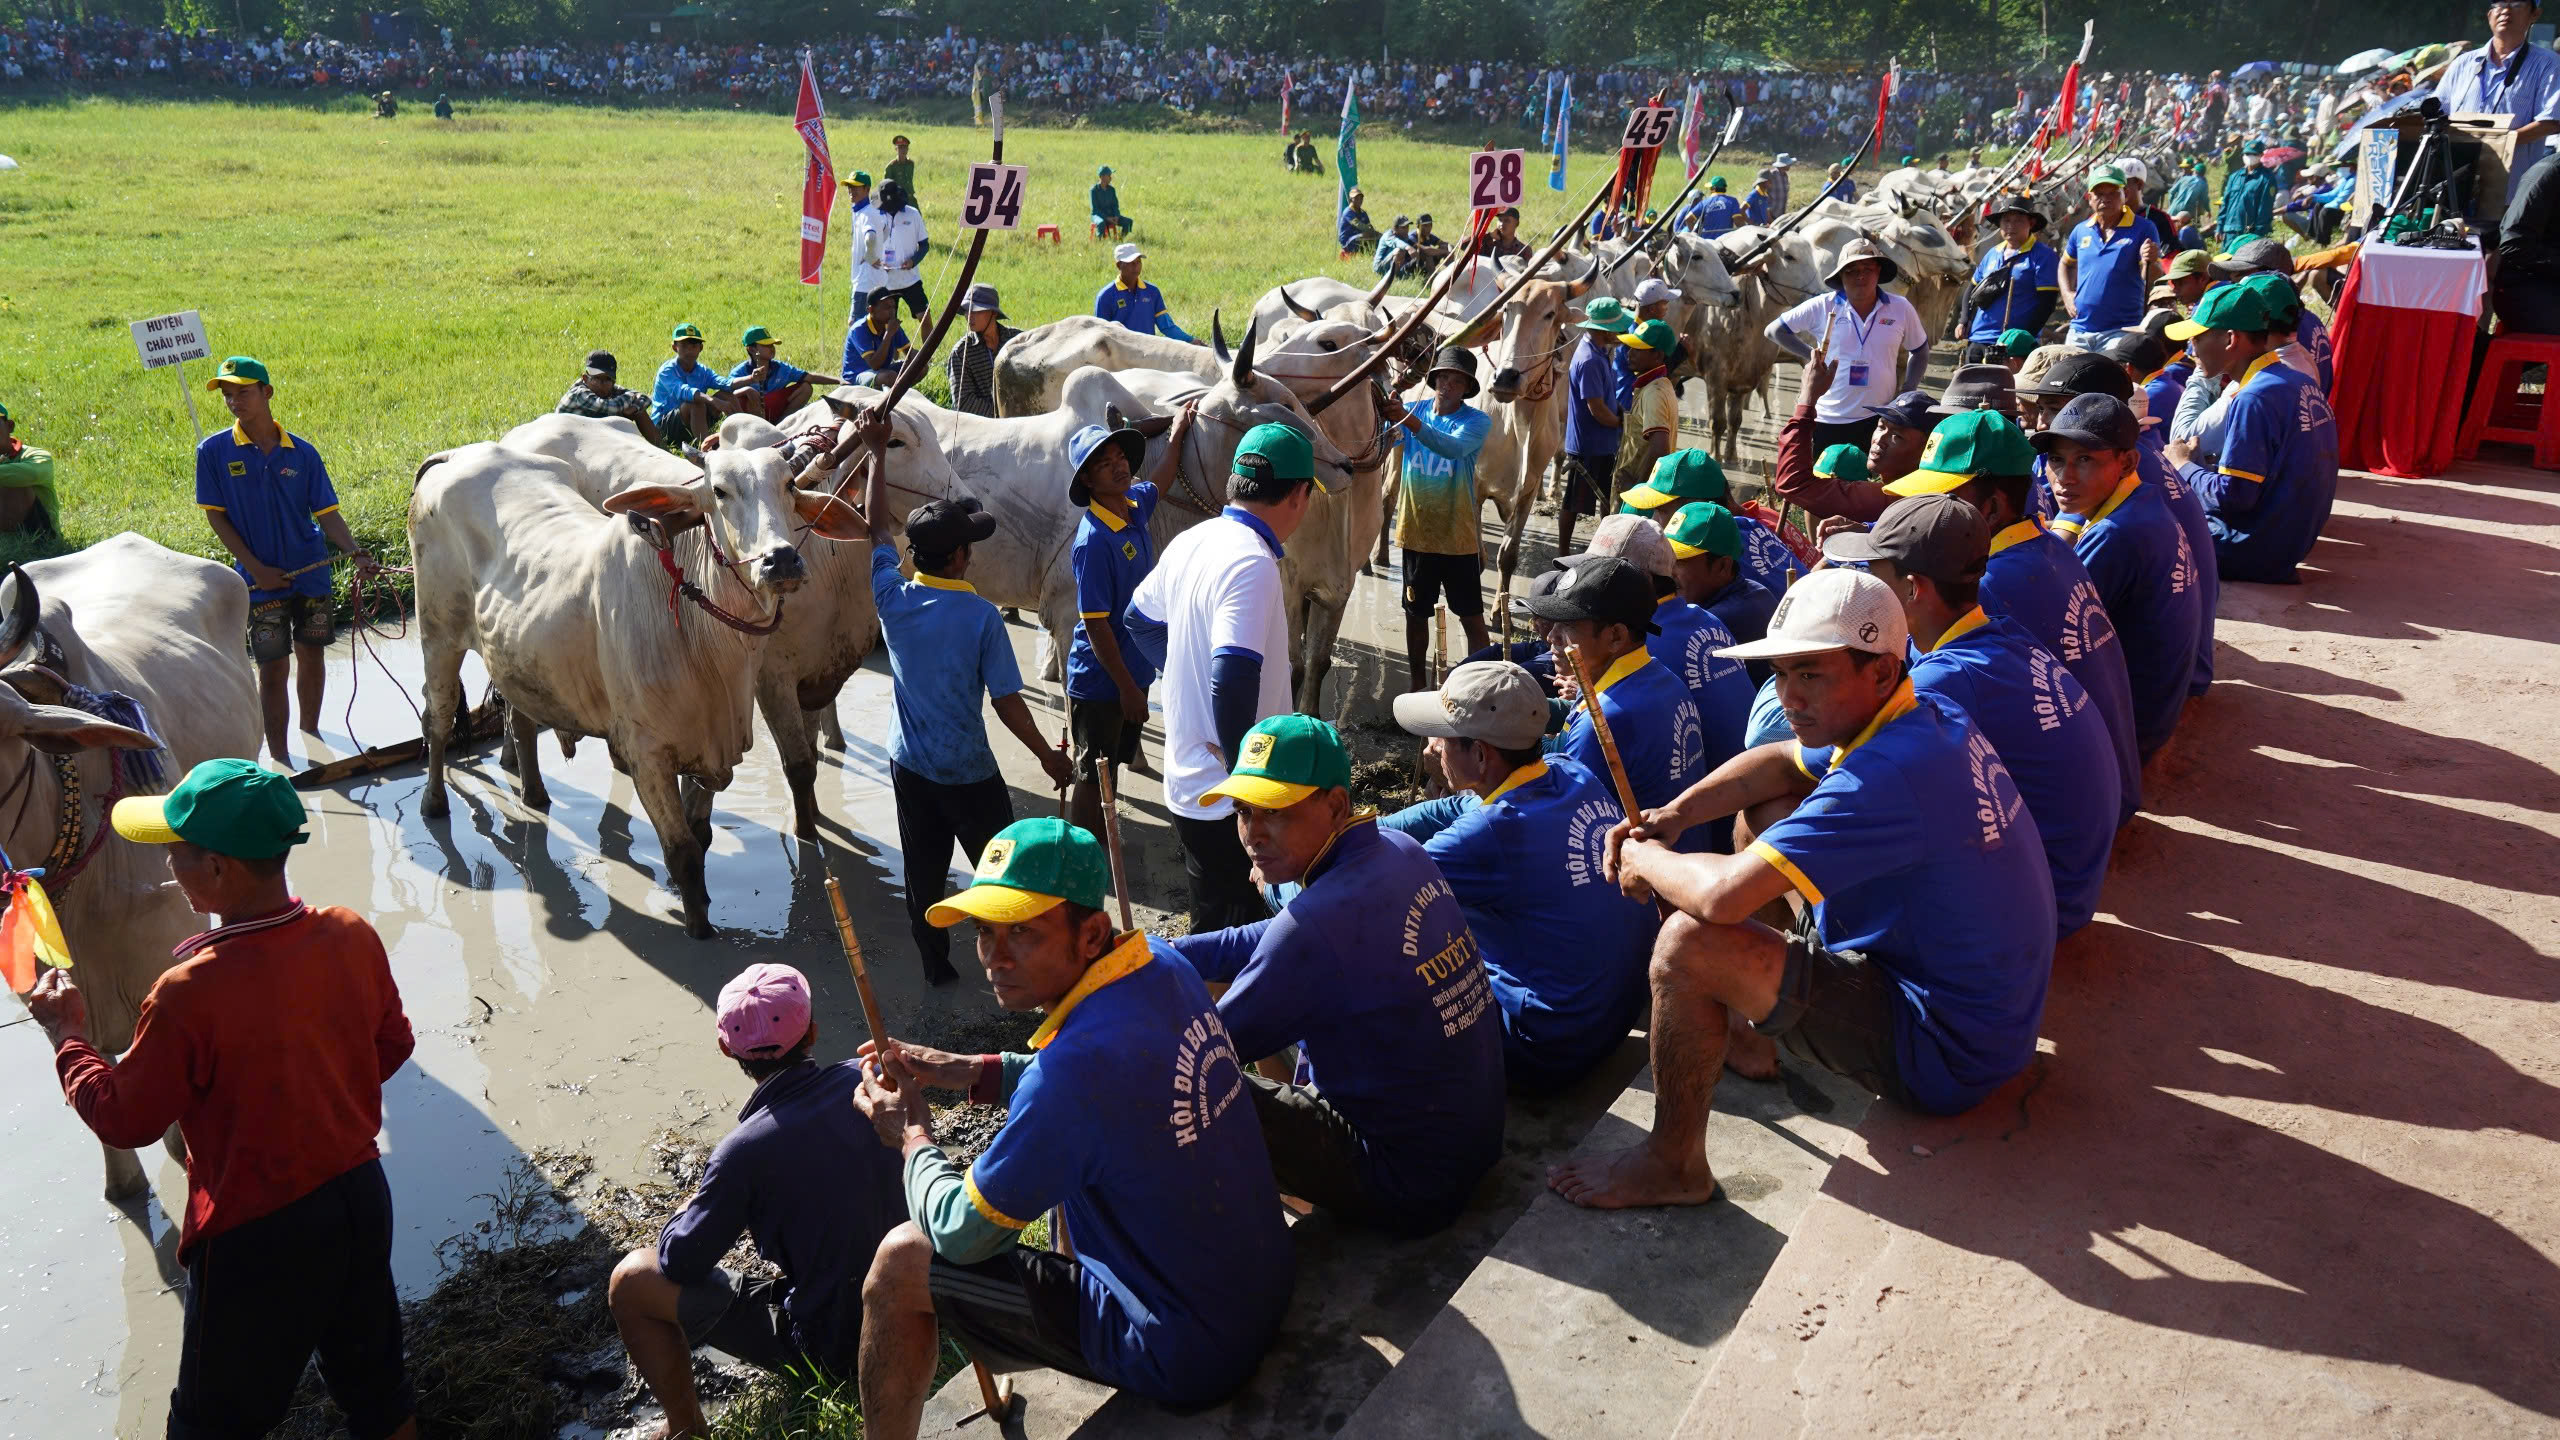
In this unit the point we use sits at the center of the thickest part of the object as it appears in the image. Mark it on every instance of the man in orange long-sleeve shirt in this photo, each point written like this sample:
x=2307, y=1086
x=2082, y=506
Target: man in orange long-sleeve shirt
x=267, y=1045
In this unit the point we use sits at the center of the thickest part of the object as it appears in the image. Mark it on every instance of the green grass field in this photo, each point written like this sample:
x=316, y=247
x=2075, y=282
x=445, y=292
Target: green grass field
x=416, y=285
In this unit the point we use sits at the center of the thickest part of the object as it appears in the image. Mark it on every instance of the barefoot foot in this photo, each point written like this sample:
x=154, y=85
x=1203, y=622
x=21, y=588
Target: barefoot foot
x=1632, y=1177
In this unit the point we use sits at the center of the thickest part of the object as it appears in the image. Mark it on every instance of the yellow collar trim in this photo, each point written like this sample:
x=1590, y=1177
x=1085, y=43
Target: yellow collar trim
x=1125, y=285
x=936, y=582
x=1109, y=521
x=1965, y=624
x=1358, y=819
x=2261, y=363
x=1128, y=956
x=2132, y=481
x=1897, y=705
x=284, y=441
x=1534, y=770
x=2017, y=534
x=1626, y=665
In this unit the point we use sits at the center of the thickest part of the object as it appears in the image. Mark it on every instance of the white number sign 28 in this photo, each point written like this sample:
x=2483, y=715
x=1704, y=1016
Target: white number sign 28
x=1494, y=178
x=1649, y=127
x=994, y=198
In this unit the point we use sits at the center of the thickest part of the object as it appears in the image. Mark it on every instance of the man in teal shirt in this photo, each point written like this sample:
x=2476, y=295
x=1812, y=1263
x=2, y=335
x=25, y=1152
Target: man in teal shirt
x=1107, y=219
x=2248, y=198
x=1436, y=507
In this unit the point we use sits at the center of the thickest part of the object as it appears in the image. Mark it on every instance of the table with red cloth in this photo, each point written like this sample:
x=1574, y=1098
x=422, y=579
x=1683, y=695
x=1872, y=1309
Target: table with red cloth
x=2402, y=347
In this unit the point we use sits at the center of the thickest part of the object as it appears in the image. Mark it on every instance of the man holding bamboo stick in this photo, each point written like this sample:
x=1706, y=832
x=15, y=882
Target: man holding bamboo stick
x=1603, y=613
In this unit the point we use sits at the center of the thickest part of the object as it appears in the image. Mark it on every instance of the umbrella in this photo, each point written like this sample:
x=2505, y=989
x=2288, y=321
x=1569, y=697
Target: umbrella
x=2364, y=60
x=2280, y=154
x=2254, y=69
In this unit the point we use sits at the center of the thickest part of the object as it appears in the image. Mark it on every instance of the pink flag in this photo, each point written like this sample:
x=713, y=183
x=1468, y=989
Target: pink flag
x=818, y=189
x=1691, y=124
x=1284, y=102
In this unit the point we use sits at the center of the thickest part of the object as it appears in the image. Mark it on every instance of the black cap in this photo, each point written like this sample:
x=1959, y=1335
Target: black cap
x=1938, y=536
x=600, y=362
x=2101, y=422
x=2137, y=350
x=1911, y=411
x=2083, y=373
x=939, y=527
x=1422, y=219
x=1605, y=590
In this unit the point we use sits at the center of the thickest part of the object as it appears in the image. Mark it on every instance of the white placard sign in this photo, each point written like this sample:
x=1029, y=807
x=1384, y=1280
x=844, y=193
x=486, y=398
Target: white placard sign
x=170, y=339
x=993, y=200
x=2377, y=171
x=1494, y=178
x=1649, y=127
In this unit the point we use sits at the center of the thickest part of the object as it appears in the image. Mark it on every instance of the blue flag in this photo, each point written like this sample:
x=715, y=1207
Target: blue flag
x=1547, y=116
x=1564, y=132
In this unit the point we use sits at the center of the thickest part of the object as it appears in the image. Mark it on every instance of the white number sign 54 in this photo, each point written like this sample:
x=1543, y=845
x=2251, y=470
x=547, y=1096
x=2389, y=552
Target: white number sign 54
x=1649, y=127
x=994, y=199
x=1494, y=178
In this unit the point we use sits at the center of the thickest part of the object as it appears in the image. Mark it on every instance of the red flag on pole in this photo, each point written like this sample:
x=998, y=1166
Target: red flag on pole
x=1284, y=102
x=1884, y=97
x=818, y=188
x=2071, y=79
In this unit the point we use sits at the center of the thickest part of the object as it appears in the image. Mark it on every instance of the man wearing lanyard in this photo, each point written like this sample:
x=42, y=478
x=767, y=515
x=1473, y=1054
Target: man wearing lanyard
x=1876, y=339
x=2511, y=77
x=2016, y=284
x=2106, y=263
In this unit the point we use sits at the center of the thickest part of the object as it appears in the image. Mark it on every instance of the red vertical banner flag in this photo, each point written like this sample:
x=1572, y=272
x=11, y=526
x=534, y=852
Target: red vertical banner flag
x=1284, y=102
x=818, y=188
x=1884, y=97
x=2071, y=80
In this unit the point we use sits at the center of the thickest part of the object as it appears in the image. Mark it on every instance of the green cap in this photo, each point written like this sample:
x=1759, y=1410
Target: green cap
x=1285, y=759
x=1977, y=442
x=2254, y=147
x=1606, y=315
x=2276, y=291
x=1682, y=475
x=1715, y=182
x=859, y=177
x=4, y=412
x=1705, y=528
x=1653, y=335
x=2106, y=175
x=686, y=331
x=1842, y=462
x=1029, y=867
x=756, y=335
x=239, y=370
x=2225, y=307
x=230, y=807
x=2021, y=343
x=1277, y=452
x=1105, y=170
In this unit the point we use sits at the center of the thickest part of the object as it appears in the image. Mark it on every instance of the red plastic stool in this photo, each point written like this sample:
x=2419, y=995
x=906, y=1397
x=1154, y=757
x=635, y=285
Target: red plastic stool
x=1048, y=233
x=2500, y=412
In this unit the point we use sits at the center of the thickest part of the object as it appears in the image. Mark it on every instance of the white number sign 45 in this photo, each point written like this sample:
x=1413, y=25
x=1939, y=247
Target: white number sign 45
x=1649, y=127
x=1494, y=178
x=994, y=197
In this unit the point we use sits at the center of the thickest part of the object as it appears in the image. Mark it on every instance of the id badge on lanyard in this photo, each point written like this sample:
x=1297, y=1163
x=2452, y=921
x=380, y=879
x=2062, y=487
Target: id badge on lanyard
x=1857, y=374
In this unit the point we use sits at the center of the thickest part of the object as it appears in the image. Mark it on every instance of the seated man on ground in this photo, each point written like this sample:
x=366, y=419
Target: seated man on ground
x=876, y=349
x=775, y=387
x=1396, y=1108
x=1824, y=483
x=1564, y=950
x=1395, y=249
x=595, y=395
x=802, y=1175
x=689, y=398
x=1930, y=551
x=1685, y=477
x=2269, y=496
x=2135, y=551
x=1430, y=251
x=1354, y=231
x=1123, y=1116
x=1686, y=638
x=1108, y=222
x=27, y=500
x=1918, y=967
x=1706, y=563
x=1603, y=615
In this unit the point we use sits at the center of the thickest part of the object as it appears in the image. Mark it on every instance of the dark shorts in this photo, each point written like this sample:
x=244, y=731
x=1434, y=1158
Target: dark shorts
x=1315, y=1153
x=674, y=430
x=262, y=1297
x=738, y=1316
x=276, y=626
x=1100, y=733
x=1836, y=1010
x=1427, y=577
x=1586, y=481
x=1018, y=1311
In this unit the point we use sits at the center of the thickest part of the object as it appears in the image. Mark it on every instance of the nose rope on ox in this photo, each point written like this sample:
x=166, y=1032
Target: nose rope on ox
x=678, y=584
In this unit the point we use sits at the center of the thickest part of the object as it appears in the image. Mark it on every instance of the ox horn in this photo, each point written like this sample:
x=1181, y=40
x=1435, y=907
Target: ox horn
x=1242, y=373
x=1301, y=311
x=1378, y=296
x=25, y=608
x=1218, y=337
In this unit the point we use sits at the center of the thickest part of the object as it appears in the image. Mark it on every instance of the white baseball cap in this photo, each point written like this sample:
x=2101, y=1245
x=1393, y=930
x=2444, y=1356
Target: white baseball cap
x=2134, y=169
x=1494, y=701
x=1127, y=252
x=1651, y=289
x=1631, y=538
x=1831, y=610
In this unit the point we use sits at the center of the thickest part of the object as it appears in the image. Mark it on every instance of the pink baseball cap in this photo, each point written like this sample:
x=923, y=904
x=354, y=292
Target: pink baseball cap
x=764, y=1011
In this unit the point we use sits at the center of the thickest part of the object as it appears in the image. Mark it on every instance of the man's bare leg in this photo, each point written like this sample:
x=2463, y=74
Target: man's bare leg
x=1699, y=970
x=1748, y=1053
x=899, y=1337
x=643, y=1301
x=275, y=707
x=310, y=682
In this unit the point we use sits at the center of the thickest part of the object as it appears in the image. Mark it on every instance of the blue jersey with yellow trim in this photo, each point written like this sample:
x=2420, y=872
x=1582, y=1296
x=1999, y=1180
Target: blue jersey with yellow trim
x=1109, y=558
x=274, y=499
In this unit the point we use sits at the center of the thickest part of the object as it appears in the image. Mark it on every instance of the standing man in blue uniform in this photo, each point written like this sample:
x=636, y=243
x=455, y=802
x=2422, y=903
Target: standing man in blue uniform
x=1107, y=676
x=1891, y=980
x=2135, y=551
x=1436, y=507
x=1133, y=302
x=1716, y=211
x=267, y=496
x=2270, y=493
x=1396, y=1108
x=2015, y=285
x=2108, y=261
x=1592, y=424
x=1564, y=950
x=1122, y=1115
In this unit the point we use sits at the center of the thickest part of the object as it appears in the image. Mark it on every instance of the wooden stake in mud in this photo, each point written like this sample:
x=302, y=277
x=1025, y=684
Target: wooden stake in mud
x=1440, y=644
x=1111, y=840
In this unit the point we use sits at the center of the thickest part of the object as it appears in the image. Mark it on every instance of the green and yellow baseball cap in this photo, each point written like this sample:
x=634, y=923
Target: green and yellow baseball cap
x=1842, y=462
x=1654, y=335
x=686, y=331
x=1028, y=869
x=858, y=177
x=1286, y=759
x=1681, y=475
x=1977, y=442
x=1705, y=528
x=1605, y=315
x=757, y=335
x=2225, y=307
x=1279, y=452
x=230, y=807
x=239, y=370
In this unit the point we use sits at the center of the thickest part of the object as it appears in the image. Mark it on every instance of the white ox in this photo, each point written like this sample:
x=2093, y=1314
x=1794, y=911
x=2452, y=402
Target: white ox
x=569, y=606
x=1735, y=353
x=128, y=617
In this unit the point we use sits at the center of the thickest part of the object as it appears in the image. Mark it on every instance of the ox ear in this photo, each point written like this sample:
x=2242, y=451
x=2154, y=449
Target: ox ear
x=673, y=505
x=38, y=684
x=60, y=730
x=829, y=515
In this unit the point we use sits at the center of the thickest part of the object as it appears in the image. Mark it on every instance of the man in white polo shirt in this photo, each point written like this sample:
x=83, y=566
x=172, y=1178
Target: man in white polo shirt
x=1873, y=337
x=1211, y=619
